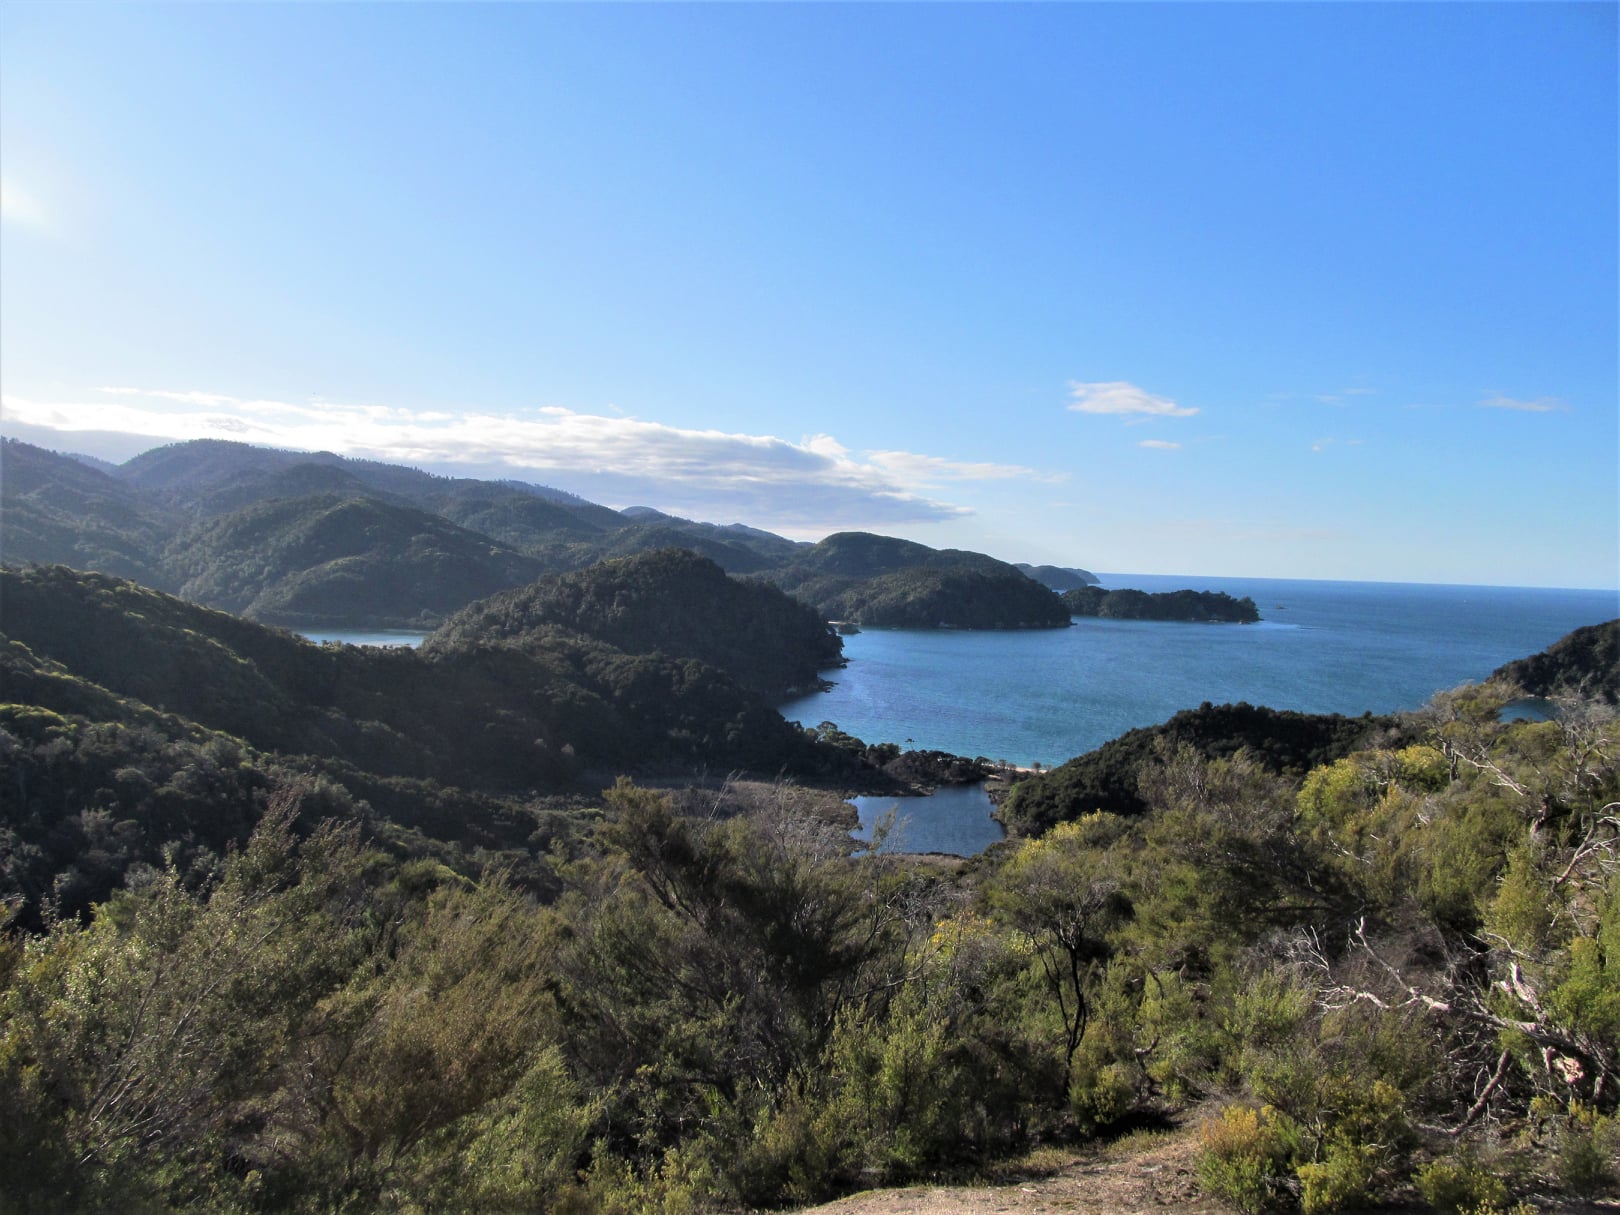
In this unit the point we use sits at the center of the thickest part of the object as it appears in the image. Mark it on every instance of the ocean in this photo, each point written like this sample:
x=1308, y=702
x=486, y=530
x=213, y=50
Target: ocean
x=1045, y=696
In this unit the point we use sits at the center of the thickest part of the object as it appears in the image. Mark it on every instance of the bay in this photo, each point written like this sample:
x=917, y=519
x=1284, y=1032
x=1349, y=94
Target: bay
x=1045, y=696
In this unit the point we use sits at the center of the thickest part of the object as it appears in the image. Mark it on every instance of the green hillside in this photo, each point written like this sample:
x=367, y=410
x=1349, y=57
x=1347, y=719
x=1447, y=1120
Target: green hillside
x=329, y=560
x=1585, y=664
x=1109, y=779
x=453, y=742
x=670, y=602
x=55, y=509
x=883, y=582
x=1201, y=607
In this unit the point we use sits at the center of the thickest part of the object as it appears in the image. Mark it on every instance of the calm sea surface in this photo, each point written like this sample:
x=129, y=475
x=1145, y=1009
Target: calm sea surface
x=1048, y=695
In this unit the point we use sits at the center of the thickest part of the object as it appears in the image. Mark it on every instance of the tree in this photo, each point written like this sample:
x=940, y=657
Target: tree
x=1062, y=895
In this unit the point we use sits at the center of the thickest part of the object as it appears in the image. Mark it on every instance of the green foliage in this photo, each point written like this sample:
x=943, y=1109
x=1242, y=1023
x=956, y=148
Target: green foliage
x=1460, y=1182
x=1060, y=894
x=134, y=1045
x=319, y=540
x=1101, y=1096
x=332, y=558
x=1587, y=1156
x=497, y=720
x=927, y=597
x=519, y=1150
x=880, y=582
x=900, y=1094
x=1109, y=778
x=1243, y=1158
x=54, y=508
x=1344, y=1177
x=864, y=555
x=1196, y=606
x=1586, y=663
x=1060, y=578
x=670, y=602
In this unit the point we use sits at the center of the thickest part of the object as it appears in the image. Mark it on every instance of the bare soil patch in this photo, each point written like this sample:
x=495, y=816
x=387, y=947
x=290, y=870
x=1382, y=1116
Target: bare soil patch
x=1140, y=1174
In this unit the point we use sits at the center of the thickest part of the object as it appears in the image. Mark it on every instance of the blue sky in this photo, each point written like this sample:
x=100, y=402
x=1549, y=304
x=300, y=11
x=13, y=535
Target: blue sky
x=1314, y=290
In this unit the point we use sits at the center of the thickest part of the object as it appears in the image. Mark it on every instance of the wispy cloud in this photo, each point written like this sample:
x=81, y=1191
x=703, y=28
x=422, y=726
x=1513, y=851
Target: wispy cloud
x=613, y=459
x=1120, y=397
x=1160, y=445
x=1539, y=405
x=930, y=470
x=1343, y=395
x=1324, y=444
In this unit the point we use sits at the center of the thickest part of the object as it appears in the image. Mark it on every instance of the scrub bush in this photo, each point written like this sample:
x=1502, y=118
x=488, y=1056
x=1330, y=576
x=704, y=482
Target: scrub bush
x=1244, y=1156
x=1459, y=1183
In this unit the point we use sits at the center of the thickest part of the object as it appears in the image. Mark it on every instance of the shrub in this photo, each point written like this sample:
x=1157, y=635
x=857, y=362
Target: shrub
x=1459, y=1183
x=1243, y=1157
x=1100, y=1096
x=1343, y=1178
x=1586, y=1151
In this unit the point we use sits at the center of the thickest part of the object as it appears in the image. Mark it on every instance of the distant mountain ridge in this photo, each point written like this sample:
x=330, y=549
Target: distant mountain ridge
x=1060, y=577
x=317, y=540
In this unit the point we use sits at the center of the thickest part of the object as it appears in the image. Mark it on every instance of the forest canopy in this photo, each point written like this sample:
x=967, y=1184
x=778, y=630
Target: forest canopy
x=1129, y=604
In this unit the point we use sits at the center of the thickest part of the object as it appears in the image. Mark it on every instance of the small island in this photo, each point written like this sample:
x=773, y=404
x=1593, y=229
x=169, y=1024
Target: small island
x=1202, y=607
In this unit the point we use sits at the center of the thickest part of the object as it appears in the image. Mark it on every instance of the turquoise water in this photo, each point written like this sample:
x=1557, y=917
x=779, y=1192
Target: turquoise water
x=1321, y=647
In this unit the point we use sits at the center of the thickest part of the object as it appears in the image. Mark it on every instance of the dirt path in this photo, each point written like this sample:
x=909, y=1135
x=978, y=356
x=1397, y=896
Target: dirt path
x=1137, y=1176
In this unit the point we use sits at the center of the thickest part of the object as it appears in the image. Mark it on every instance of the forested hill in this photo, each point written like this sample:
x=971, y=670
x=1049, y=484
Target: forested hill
x=672, y=602
x=1584, y=664
x=57, y=510
x=314, y=540
x=1110, y=779
x=118, y=690
x=1201, y=607
x=307, y=561
x=881, y=582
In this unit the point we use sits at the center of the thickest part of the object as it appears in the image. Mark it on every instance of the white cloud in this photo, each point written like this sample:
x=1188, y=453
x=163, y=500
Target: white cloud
x=1119, y=397
x=1160, y=445
x=1324, y=444
x=615, y=460
x=1539, y=405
